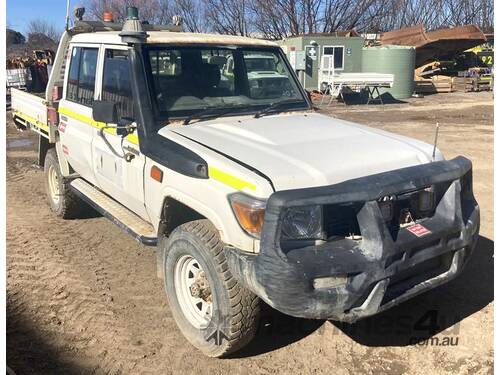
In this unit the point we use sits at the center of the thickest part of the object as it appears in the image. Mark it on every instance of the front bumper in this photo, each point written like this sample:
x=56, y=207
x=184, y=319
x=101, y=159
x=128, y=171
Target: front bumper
x=380, y=270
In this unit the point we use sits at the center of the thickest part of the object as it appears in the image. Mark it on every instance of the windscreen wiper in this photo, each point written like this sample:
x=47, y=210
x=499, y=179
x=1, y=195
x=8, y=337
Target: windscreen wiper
x=208, y=113
x=276, y=105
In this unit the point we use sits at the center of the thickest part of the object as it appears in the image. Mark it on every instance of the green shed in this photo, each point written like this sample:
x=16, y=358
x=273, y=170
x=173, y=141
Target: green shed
x=344, y=48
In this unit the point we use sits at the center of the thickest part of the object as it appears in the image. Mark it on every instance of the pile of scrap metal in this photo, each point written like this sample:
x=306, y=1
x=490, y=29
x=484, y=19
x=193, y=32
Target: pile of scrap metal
x=29, y=60
x=445, y=60
x=485, y=51
x=30, y=72
x=435, y=45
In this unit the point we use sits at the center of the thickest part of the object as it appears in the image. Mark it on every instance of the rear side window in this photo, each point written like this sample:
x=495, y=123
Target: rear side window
x=116, y=85
x=82, y=71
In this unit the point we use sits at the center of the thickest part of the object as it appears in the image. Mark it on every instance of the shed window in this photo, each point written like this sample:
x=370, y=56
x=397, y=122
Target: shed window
x=338, y=56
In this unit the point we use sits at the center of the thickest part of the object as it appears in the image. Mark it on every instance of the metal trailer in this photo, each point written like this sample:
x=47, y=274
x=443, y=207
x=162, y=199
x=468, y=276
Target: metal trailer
x=334, y=83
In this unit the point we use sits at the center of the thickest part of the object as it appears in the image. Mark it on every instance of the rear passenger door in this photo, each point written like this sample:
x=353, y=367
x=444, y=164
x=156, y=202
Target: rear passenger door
x=75, y=129
x=121, y=178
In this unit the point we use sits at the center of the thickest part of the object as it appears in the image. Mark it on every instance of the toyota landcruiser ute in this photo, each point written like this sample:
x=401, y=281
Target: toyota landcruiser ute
x=247, y=196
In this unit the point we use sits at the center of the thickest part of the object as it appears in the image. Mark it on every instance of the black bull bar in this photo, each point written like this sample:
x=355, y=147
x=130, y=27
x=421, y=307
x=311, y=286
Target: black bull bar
x=380, y=270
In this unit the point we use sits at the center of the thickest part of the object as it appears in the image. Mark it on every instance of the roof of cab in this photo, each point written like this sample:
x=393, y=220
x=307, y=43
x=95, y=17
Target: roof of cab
x=170, y=37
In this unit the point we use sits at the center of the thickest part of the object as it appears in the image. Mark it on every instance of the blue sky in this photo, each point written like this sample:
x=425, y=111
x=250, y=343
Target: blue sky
x=20, y=12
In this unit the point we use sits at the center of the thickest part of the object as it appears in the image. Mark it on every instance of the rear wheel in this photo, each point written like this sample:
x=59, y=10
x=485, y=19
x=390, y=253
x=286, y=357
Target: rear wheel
x=61, y=198
x=213, y=311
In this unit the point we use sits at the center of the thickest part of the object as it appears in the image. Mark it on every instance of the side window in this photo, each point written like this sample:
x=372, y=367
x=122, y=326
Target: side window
x=72, y=85
x=116, y=85
x=82, y=71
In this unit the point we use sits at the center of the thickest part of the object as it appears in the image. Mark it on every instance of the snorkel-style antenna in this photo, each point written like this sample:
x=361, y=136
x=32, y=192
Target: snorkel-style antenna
x=132, y=31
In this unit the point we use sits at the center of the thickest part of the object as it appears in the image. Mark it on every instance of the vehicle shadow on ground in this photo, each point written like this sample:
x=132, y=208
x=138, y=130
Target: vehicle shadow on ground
x=29, y=351
x=277, y=330
x=88, y=213
x=438, y=311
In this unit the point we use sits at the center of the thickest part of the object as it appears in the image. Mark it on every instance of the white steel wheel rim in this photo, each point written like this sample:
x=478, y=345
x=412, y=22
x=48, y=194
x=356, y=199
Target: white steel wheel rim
x=53, y=184
x=197, y=310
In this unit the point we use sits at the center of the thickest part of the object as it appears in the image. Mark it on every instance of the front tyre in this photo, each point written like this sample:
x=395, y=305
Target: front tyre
x=213, y=311
x=61, y=198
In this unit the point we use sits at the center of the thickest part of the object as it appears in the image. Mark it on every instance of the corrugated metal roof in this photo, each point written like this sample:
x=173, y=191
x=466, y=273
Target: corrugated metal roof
x=435, y=44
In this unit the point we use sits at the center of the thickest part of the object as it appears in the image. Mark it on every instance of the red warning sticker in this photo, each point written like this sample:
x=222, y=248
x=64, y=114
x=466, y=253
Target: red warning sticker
x=419, y=230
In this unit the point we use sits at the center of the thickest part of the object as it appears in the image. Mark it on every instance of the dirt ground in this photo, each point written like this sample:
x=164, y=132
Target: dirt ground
x=83, y=297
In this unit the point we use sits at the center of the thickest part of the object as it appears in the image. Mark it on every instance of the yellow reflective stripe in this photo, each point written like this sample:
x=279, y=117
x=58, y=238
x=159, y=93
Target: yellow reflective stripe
x=32, y=121
x=132, y=138
x=80, y=117
x=229, y=180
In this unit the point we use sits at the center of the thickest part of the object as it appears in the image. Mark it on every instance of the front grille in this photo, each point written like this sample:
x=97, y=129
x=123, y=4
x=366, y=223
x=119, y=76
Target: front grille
x=340, y=220
x=406, y=205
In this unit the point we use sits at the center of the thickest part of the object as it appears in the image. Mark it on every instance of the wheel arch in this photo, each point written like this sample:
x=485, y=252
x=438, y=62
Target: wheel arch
x=175, y=212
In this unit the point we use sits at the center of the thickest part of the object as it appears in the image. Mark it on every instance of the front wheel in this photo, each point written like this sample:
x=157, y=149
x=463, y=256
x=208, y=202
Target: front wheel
x=213, y=311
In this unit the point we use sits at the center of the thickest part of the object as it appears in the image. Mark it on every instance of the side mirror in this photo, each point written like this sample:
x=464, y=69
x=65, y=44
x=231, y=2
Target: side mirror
x=105, y=111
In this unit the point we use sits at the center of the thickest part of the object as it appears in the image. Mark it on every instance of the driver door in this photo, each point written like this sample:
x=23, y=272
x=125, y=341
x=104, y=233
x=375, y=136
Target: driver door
x=118, y=163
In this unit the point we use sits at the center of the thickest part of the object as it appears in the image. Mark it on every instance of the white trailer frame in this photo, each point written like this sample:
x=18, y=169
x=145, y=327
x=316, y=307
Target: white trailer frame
x=336, y=82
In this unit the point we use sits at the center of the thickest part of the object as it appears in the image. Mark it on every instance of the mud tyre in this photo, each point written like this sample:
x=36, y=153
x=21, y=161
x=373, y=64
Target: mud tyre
x=213, y=311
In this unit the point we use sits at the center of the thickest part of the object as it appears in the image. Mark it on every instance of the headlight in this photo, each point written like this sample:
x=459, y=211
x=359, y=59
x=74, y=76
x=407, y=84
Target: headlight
x=249, y=212
x=303, y=223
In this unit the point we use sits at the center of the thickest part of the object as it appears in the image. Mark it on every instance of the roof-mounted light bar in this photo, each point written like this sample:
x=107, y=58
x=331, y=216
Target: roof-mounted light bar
x=81, y=26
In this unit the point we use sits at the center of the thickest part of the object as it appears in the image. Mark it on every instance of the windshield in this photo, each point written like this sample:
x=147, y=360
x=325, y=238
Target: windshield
x=188, y=80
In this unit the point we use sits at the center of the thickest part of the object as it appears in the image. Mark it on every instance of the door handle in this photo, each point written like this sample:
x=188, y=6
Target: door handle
x=129, y=153
x=131, y=149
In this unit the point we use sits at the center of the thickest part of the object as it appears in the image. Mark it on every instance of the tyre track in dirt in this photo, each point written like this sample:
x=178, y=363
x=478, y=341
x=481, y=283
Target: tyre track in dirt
x=91, y=287
x=71, y=281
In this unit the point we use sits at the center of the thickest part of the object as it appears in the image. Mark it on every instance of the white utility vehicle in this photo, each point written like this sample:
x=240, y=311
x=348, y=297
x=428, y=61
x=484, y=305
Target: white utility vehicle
x=245, y=197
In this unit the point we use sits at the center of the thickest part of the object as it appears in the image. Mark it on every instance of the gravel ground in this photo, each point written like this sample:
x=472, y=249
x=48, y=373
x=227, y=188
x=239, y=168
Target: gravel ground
x=83, y=297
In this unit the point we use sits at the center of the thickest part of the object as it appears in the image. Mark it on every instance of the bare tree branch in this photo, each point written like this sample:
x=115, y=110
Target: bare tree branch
x=40, y=26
